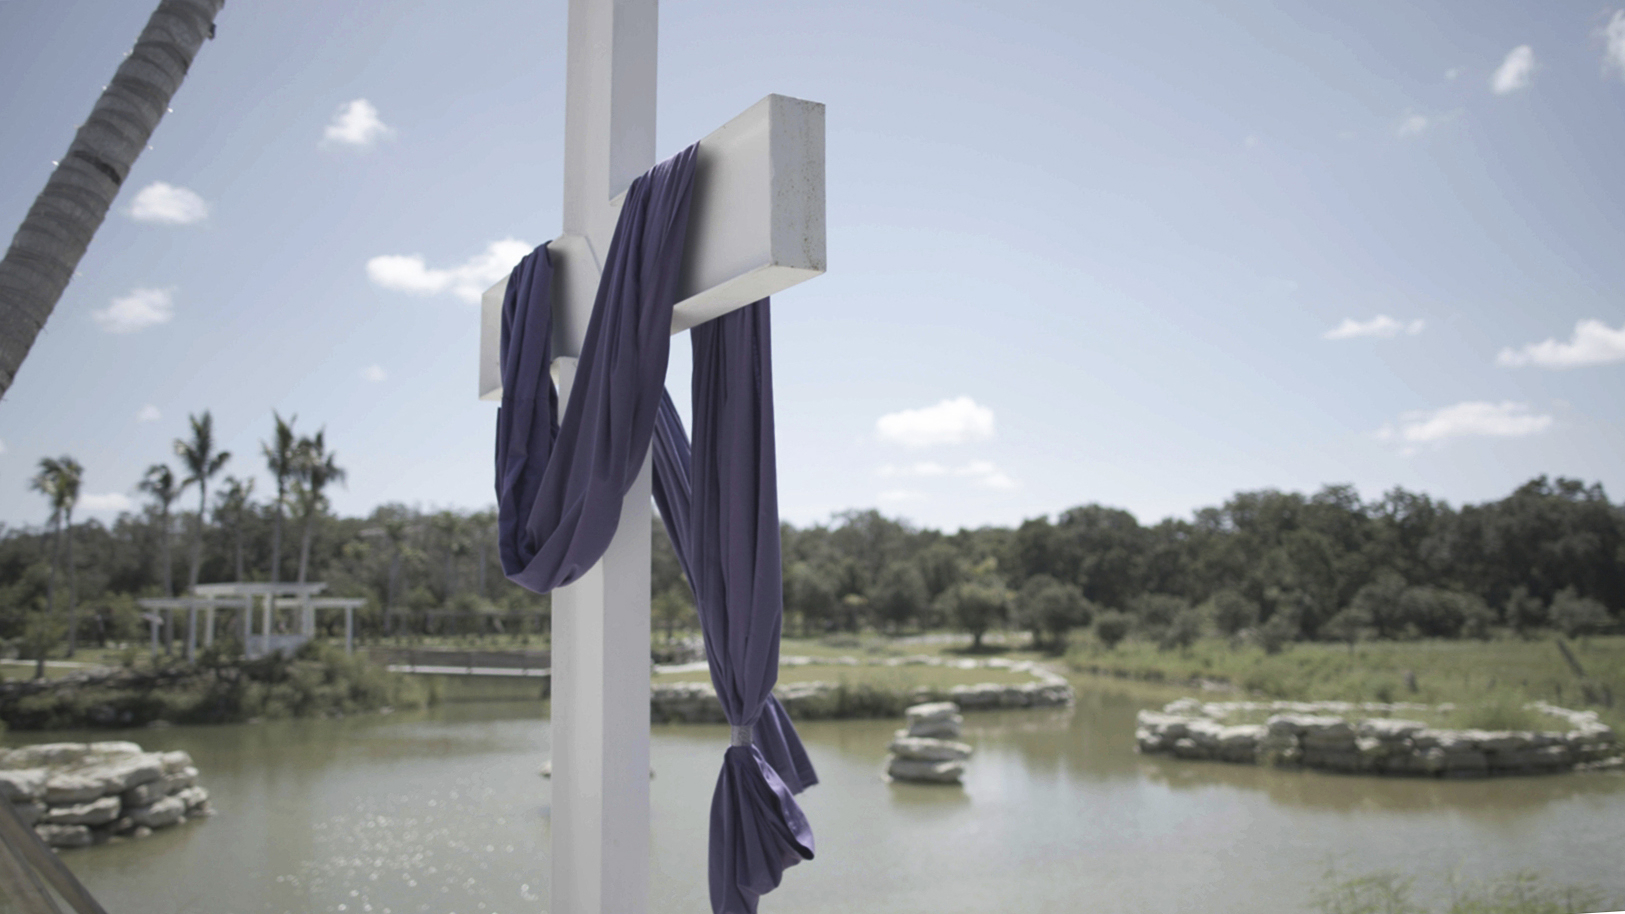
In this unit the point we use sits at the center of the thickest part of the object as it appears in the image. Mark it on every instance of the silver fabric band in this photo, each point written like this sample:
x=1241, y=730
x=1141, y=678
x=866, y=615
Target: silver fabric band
x=739, y=736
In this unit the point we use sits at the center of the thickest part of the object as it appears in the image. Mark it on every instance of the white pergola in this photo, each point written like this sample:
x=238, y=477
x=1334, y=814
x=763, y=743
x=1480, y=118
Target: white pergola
x=756, y=227
x=241, y=596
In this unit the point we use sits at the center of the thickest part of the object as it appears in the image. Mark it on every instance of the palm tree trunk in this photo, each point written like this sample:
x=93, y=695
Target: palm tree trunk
x=65, y=216
x=56, y=559
x=169, y=562
x=276, y=539
x=73, y=591
x=197, y=533
x=237, y=542
x=304, y=546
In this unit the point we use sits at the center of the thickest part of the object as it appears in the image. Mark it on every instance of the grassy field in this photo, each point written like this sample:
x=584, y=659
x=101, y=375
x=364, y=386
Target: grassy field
x=883, y=677
x=1489, y=681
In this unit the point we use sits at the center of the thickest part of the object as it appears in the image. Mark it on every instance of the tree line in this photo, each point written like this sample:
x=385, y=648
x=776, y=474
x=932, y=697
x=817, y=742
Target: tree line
x=1268, y=565
x=1273, y=566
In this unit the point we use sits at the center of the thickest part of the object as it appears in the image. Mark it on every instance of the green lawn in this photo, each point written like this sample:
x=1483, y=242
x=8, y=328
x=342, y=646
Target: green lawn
x=1489, y=681
x=892, y=678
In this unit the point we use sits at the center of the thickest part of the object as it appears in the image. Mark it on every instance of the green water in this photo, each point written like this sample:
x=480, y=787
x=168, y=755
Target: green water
x=443, y=811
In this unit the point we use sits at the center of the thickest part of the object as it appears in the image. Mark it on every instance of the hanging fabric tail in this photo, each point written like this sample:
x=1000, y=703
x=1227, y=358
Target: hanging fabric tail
x=775, y=735
x=757, y=829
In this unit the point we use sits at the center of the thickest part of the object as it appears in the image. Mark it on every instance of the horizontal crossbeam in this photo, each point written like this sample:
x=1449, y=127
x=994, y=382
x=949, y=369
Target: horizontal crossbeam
x=756, y=227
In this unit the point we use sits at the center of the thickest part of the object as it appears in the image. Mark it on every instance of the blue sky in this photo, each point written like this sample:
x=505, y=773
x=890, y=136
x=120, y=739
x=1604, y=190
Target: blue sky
x=1137, y=254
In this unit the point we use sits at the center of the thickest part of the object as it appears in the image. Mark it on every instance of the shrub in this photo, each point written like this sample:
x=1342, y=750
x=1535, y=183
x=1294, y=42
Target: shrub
x=1233, y=612
x=1111, y=627
x=1578, y=616
x=1277, y=632
x=1182, y=632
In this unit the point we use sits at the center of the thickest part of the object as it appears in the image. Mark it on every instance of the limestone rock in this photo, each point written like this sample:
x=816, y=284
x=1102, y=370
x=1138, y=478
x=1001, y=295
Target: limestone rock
x=23, y=784
x=101, y=778
x=180, y=780
x=47, y=755
x=930, y=750
x=177, y=761
x=114, y=748
x=96, y=812
x=1389, y=729
x=64, y=835
x=67, y=787
x=934, y=720
x=144, y=794
x=948, y=772
x=193, y=797
x=165, y=812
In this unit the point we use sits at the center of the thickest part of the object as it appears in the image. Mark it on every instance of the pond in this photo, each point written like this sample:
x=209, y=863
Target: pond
x=443, y=811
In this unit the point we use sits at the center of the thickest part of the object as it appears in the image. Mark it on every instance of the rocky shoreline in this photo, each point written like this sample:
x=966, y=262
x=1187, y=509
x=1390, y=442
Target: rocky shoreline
x=78, y=794
x=1368, y=739
x=696, y=702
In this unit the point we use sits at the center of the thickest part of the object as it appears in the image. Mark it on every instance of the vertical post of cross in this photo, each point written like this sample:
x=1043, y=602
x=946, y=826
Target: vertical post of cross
x=600, y=696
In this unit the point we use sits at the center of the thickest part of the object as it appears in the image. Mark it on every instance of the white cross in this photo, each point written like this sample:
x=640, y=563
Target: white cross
x=756, y=227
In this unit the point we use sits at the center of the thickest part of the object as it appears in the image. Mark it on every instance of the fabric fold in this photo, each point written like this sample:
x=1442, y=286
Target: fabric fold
x=561, y=480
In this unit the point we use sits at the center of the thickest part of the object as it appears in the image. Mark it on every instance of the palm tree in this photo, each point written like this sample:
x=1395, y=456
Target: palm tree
x=159, y=482
x=282, y=458
x=203, y=463
x=58, y=480
x=231, y=504
x=66, y=214
x=317, y=467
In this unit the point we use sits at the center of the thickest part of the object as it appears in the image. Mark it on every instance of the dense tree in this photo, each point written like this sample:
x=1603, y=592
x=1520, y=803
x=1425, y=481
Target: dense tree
x=231, y=509
x=975, y=606
x=1049, y=609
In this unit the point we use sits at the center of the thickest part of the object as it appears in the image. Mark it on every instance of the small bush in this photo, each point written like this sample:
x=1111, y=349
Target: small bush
x=1111, y=627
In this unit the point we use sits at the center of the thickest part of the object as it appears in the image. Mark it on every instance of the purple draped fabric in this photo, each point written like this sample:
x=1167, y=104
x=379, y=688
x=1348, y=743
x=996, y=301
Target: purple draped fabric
x=561, y=483
x=774, y=734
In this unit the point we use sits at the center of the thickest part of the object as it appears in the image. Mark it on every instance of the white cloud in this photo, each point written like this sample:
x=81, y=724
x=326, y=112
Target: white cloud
x=1382, y=326
x=949, y=422
x=1593, y=343
x=981, y=472
x=410, y=273
x=374, y=373
x=1412, y=125
x=141, y=309
x=168, y=205
x=356, y=124
x=1452, y=73
x=111, y=502
x=1251, y=142
x=1471, y=419
x=2, y=447
x=1613, y=34
x=148, y=413
x=901, y=495
x=1514, y=72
